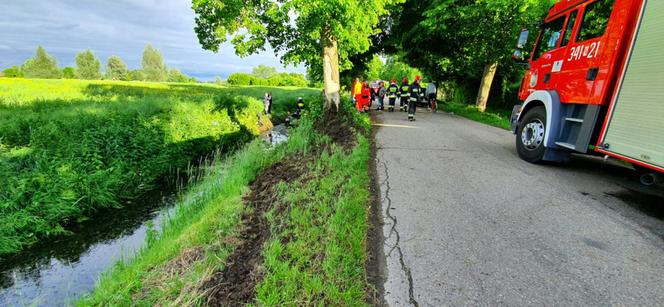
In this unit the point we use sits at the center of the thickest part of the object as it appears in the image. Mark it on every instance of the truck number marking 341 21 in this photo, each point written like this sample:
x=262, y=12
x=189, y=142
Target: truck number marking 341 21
x=584, y=51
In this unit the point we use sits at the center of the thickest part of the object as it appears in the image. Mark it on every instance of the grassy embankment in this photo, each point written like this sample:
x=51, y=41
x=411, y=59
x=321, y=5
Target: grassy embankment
x=496, y=118
x=316, y=230
x=69, y=148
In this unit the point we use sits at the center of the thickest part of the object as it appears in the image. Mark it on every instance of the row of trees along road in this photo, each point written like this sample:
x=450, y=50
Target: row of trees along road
x=466, y=43
x=88, y=67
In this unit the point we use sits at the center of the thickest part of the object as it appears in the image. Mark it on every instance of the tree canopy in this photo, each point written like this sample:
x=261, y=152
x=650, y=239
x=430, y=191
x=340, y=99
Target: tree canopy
x=264, y=71
x=116, y=69
x=316, y=33
x=153, y=64
x=88, y=66
x=457, y=40
x=42, y=65
x=12, y=72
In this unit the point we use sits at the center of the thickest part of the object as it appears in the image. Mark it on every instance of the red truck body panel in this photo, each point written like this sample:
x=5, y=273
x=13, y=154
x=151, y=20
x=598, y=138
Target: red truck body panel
x=584, y=71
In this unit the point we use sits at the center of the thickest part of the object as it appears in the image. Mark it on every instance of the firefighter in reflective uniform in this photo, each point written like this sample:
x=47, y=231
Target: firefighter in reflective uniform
x=415, y=90
x=392, y=93
x=300, y=104
x=404, y=93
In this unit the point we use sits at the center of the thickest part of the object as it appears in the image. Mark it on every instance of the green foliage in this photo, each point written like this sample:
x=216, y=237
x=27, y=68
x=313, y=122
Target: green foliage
x=12, y=72
x=69, y=73
x=453, y=40
x=175, y=75
x=87, y=66
x=153, y=65
x=317, y=252
x=116, y=69
x=41, y=66
x=324, y=220
x=496, y=118
x=280, y=79
x=298, y=29
x=204, y=219
x=395, y=68
x=136, y=75
x=264, y=72
x=375, y=69
x=68, y=147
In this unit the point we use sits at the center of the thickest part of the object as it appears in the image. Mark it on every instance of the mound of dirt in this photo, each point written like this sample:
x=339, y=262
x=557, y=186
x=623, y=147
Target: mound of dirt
x=235, y=284
x=337, y=129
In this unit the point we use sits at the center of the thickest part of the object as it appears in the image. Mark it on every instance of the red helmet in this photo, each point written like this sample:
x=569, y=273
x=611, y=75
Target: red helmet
x=418, y=78
x=405, y=80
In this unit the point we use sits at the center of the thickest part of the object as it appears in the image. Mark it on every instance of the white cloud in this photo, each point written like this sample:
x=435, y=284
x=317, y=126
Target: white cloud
x=120, y=27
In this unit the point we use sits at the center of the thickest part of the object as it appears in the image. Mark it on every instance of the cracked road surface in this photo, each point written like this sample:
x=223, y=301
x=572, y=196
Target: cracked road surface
x=466, y=222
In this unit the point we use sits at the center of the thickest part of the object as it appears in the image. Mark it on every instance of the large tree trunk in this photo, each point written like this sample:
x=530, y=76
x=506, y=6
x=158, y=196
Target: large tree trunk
x=331, y=72
x=485, y=86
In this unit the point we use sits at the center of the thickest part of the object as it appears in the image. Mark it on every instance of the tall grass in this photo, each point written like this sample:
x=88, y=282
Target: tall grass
x=198, y=236
x=316, y=253
x=69, y=148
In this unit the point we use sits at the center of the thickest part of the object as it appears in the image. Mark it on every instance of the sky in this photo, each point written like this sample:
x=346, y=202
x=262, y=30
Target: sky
x=117, y=27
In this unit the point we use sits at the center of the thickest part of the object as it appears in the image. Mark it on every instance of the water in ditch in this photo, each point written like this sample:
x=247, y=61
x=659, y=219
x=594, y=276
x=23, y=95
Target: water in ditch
x=58, y=271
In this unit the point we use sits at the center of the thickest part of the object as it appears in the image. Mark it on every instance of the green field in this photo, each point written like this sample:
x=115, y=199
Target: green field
x=69, y=148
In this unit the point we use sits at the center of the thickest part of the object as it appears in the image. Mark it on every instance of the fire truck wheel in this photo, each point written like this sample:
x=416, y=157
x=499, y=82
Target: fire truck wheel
x=530, y=135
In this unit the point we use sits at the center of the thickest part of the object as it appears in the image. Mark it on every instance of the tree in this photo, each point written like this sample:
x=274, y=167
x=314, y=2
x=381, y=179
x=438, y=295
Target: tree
x=88, y=66
x=116, y=69
x=395, y=68
x=69, y=73
x=322, y=33
x=42, y=65
x=375, y=68
x=264, y=71
x=175, y=75
x=153, y=64
x=12, y=72
x=136, y=75
x=451, y=45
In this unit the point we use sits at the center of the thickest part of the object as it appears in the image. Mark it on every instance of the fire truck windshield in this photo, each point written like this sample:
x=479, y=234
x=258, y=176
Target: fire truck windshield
x=549, y=37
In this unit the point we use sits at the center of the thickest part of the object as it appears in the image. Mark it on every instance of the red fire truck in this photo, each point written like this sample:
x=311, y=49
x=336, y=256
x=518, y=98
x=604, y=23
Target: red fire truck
x=595, y=84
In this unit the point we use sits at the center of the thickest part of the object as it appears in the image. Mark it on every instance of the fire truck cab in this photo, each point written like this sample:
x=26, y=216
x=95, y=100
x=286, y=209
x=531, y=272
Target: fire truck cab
x=595, y=84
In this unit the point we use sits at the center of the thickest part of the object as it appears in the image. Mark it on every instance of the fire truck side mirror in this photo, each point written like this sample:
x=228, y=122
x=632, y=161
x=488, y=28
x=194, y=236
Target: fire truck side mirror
x=523, y=39
x=517, y=56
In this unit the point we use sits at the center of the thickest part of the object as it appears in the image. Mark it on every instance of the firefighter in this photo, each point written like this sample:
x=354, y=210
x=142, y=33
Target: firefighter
x=404, y=93
x=300, y=104
x=392, y=91
x=363, y=98
x=415, y=90
x=356, y=89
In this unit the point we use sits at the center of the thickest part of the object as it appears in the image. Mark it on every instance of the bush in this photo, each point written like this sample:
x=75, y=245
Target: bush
x=281, y=79
x=92, y=145
x=241, y=79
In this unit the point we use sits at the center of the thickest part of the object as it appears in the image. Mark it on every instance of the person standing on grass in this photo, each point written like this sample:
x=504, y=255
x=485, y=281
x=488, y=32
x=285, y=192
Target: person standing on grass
x=415, y=90
x=267, y=103
x=393, y=90
x=381, y=95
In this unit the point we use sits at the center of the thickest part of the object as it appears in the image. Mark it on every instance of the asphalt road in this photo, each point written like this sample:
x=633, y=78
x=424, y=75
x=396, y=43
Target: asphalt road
x=466, y=222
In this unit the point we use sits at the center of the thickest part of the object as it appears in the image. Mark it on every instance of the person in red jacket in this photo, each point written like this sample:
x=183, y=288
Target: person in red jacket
x=363, y=99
